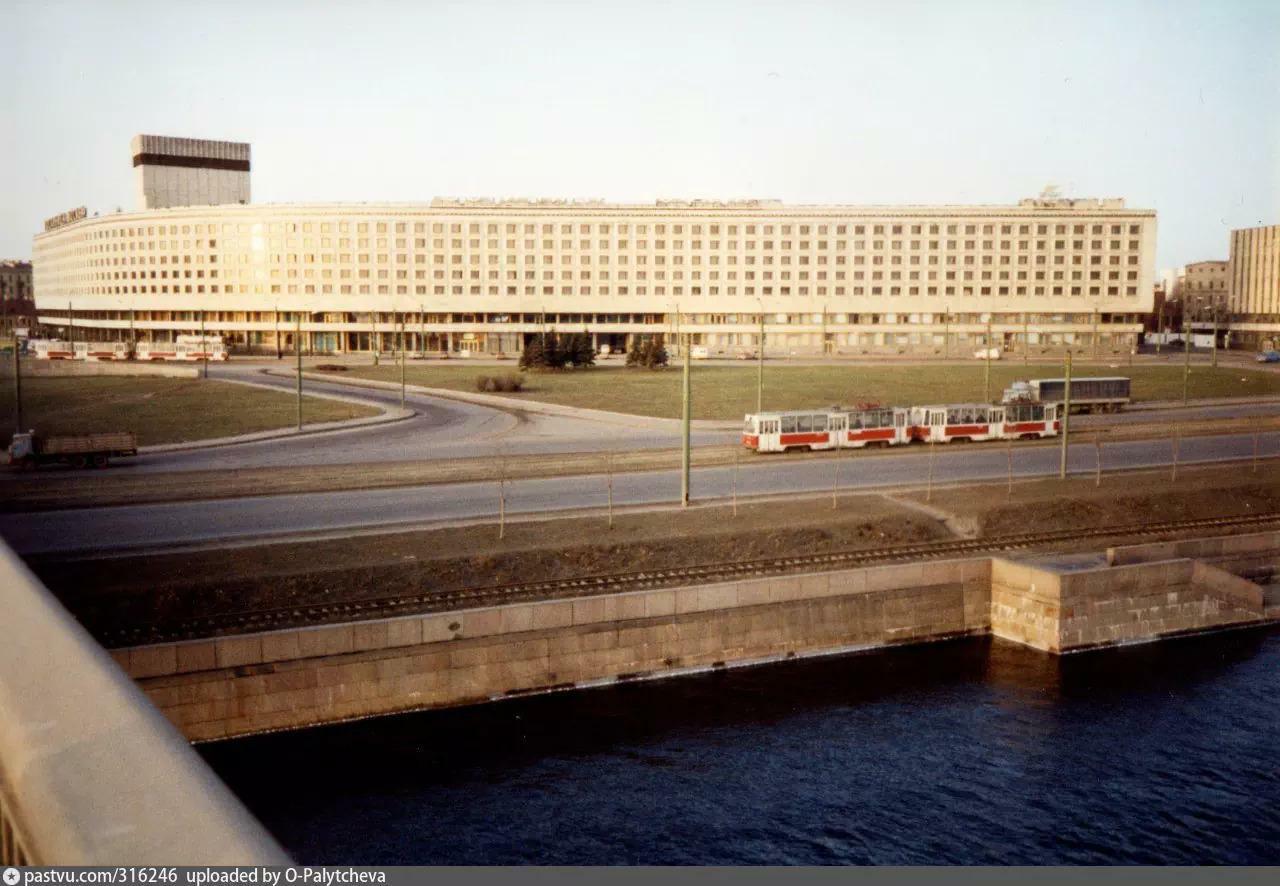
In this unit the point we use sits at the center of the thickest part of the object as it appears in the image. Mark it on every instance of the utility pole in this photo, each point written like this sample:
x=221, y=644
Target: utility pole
x=1215, y=331
x=279, y=352
x=1026, y=339
x=1095, y=334
x=684, y=432
x=71, y=327
x=373, y=336
x=17, y=393
x=946, y=332
x=422, y=331
x=760, y=366
x=402, y=361
x=1186, y=361
x=297, y=348
x=986, y=373
x=204, y=349
x=133, y=336
x=1066, y=419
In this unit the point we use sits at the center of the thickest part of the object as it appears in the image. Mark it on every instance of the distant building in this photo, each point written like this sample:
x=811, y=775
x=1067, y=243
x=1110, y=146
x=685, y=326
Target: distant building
x=1254, y=287
x=483, y=276
x=17, y=295
x=1204, y=290
x=172, y=171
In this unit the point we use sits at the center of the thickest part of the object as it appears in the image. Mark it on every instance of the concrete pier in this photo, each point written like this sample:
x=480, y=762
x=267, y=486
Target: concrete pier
x=244, y=684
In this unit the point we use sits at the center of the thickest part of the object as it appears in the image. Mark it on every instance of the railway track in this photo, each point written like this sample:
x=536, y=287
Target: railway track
x=435, y=601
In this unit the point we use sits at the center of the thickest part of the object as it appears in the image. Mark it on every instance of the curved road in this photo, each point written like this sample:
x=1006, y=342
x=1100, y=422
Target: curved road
x=442, y=428
x=252, y=518
x=445, y=428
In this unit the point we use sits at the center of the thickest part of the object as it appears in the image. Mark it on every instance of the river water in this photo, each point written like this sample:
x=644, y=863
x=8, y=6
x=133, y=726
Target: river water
x=972, y=751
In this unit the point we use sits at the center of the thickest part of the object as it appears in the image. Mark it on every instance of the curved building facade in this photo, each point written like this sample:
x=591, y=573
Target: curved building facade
x=482, y=275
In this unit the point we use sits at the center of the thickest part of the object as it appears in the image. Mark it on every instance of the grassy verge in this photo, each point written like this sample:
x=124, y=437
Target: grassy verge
x=162, y=410
x=729, y=392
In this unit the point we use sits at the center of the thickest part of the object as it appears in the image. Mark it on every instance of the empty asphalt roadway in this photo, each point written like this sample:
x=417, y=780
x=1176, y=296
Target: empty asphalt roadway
x=140, y=526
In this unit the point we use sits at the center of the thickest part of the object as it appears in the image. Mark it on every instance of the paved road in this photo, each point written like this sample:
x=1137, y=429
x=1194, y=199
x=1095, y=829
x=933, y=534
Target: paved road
x=442, y=429
x=250, y=518
x=451, y=428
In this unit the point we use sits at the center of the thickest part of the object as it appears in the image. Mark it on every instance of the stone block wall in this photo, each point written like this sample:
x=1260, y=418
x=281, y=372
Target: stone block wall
x=1066, y=611
x=287, y=679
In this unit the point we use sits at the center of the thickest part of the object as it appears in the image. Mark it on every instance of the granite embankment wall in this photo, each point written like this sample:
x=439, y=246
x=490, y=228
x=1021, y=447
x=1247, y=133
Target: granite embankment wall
x=238, y=685
x=291, y=678
x=1072, y=610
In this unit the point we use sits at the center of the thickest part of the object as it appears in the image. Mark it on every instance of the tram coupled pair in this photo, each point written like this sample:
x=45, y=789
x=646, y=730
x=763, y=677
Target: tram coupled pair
x=899, y=425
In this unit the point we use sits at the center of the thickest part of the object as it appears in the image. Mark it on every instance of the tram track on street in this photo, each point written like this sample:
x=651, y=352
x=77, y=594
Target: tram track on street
x=266, y=619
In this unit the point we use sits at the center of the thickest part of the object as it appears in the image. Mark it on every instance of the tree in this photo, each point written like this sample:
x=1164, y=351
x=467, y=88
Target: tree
x=552, y=353
x=533, y=356
x=582, y=351
x=657, y=356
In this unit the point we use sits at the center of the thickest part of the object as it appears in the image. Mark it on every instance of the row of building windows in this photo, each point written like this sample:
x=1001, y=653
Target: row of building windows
x=605, y=228
x=476, y=289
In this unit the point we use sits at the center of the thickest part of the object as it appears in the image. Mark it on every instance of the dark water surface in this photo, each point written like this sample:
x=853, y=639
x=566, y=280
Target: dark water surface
x=973, y=751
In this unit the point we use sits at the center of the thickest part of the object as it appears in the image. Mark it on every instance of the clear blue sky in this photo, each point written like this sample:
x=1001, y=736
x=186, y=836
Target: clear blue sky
x=1172, y=105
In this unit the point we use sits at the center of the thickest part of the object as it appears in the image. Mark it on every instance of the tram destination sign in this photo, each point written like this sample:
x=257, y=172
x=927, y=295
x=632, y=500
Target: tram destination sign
x=66, y=218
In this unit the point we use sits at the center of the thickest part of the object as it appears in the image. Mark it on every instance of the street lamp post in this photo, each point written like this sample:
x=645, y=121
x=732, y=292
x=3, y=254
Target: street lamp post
x=760, y=363
x=686, y=418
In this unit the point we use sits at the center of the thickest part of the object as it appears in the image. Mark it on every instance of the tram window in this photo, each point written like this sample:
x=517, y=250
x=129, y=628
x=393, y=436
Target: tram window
x=819, y=422
x=788, y=424
x=855, y=420
x=804, y=423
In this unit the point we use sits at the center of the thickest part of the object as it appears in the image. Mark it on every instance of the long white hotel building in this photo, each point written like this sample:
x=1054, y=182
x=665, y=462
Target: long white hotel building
x=484, y=275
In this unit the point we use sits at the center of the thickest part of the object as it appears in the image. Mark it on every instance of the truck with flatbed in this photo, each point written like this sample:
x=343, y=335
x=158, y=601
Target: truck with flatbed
x=1110, y=394
x=31, y=450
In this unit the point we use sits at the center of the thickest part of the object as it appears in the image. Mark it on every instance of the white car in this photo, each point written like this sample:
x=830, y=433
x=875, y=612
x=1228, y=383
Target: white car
x=987, y=353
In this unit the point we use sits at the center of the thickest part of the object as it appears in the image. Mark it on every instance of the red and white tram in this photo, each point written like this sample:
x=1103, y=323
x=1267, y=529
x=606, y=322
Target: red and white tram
x=897, y=425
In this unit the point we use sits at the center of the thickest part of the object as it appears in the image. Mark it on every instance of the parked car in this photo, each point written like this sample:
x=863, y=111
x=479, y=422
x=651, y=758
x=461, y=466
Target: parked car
x=1268, y=357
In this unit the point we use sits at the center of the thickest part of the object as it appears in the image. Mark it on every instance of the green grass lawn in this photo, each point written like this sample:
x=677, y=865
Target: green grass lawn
x=160, y=410
x=728, y=392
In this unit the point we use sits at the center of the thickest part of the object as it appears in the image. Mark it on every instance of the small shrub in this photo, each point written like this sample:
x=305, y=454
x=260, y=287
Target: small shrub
x=331, y=367
x=510, y=383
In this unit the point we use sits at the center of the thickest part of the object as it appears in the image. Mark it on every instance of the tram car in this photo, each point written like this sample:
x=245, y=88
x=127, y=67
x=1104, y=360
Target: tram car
x=184, y=348
x=1087, y=394
x=898, y=425
x=50, y=349
x=101, y=351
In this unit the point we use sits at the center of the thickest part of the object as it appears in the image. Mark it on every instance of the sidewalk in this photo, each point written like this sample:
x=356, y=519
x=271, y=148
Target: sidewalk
x=388, y=415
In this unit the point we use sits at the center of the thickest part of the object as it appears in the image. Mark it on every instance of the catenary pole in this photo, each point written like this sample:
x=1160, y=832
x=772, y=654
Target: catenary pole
x=17, y=390
x=760, y=366
x=1186, y=359
x=402, y=361
x=1066, y=419
x=204, y=349
x=684, y=432
x=297, y=349
x=1026, y=339
x=986, y=373
x=1215, y=331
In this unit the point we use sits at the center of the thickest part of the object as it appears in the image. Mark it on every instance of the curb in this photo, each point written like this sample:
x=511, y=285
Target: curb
x=389, y=415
